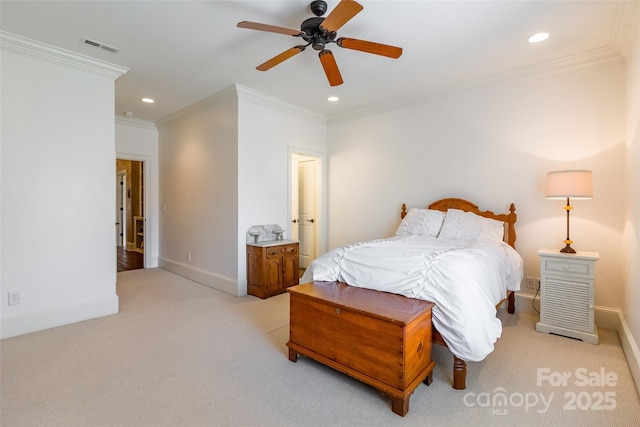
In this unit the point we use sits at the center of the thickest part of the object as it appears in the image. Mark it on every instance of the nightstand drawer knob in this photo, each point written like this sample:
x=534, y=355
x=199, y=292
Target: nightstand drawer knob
x=337, y=311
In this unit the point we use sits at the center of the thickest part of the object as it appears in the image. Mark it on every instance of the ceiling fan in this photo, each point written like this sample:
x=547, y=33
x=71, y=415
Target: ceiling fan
x=318, y=32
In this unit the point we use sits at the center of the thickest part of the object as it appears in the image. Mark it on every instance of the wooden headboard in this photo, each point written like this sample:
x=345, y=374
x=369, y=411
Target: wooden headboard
x=465, y=205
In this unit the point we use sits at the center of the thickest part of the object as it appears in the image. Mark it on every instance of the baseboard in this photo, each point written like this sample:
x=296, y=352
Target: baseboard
x=630, y=348
x=215, y=281
x=606, y=318
x=523, y=303
x=33, y=322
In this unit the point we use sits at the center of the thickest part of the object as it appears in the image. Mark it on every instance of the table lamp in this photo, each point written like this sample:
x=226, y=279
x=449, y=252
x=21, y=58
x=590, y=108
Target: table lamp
x=569, y=184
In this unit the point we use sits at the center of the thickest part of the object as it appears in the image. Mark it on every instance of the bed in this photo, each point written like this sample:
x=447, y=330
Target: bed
x=452, y=253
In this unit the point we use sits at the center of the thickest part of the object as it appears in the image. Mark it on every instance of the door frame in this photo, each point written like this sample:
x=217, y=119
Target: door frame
x=122, y=216
x=145, y=194
x=321, y=193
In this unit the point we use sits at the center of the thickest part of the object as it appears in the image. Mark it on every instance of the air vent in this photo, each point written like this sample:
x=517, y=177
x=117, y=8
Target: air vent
x=99, y=45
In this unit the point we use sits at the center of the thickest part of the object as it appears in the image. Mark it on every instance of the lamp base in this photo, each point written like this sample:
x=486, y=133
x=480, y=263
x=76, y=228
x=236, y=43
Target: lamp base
x=568, y=250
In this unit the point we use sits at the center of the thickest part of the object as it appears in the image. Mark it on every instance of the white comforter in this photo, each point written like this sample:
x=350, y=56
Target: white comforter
x=465, y=280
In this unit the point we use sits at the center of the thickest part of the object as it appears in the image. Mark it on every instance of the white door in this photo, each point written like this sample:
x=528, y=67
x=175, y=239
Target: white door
x=307, y=210
x=121, y=185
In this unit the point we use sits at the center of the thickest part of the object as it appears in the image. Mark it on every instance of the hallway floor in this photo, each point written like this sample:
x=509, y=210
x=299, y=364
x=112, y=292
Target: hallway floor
x=129, y=260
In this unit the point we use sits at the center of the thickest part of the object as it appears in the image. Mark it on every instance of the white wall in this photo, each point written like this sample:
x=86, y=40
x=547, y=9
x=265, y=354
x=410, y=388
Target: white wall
x=198, y=163
x=138, y=140
x=268, y=131
x=493, y=145
x=57, y=189
x=223, y=168
x=631, y=293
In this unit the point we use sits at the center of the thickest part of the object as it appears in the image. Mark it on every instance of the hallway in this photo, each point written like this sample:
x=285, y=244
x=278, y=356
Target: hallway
x=129, y=260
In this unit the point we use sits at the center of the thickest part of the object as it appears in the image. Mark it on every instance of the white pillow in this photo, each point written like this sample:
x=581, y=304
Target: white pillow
x=421, y=222
x=461, y=225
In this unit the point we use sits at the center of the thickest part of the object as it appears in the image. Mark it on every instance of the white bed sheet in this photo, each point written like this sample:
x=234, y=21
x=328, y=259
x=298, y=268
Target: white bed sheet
x=465, y=280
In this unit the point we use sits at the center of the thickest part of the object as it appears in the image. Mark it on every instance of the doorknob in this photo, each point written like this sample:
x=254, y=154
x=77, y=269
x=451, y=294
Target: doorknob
x=294, y=221
x=311, y=220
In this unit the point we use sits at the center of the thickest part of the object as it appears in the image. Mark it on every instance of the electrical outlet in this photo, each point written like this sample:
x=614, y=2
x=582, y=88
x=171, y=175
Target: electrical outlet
x=529, y=282
x=188, y=256
x=15, y=298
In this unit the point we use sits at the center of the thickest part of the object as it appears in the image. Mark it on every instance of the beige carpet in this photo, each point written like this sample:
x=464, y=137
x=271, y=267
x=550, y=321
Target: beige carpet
x=182, y=354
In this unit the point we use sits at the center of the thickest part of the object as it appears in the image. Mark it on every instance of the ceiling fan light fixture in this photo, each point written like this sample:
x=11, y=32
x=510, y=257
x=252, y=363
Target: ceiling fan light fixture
x=538, y=37
x=318, y=44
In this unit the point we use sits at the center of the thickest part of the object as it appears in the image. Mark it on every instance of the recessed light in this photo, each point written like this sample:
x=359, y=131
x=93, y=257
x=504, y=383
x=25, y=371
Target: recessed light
x=539, y=37
x=148, y=100
x=333, y=99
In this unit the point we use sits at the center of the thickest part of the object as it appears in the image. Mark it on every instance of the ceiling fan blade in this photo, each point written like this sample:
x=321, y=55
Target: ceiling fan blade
x=280, y=58
x=270, y=28
x=340, y=15
x=370, y=47
x=330, y=67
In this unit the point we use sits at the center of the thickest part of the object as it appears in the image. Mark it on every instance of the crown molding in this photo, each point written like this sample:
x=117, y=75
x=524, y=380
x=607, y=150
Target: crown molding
x=260, y=98
x=241, y=93
x=34, y=49
x=583, y=59
x=224, y=95
x=128, y=121
x=626, y=20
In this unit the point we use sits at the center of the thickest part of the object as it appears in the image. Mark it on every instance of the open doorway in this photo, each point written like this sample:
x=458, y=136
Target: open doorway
x=306, y=206
x=130, y=219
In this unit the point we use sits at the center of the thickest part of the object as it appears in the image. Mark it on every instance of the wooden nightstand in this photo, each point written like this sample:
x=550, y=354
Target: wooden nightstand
x=567, y=294
x=272, y=267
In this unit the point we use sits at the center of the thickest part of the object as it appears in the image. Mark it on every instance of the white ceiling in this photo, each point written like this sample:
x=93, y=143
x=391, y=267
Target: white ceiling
x=180, y=52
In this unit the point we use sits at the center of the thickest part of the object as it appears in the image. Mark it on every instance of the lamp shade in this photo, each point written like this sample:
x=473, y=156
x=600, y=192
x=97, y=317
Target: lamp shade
x=574, y=184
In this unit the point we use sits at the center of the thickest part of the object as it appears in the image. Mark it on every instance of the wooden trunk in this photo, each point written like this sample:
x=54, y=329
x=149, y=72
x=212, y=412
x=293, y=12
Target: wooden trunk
x=379, y=338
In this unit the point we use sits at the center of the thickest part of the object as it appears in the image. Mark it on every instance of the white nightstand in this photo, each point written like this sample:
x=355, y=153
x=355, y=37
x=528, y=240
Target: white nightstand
x=567, y=291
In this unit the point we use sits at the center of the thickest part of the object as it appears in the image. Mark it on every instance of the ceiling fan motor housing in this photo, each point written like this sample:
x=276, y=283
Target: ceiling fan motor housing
x=318, y=7
x=314, y=34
